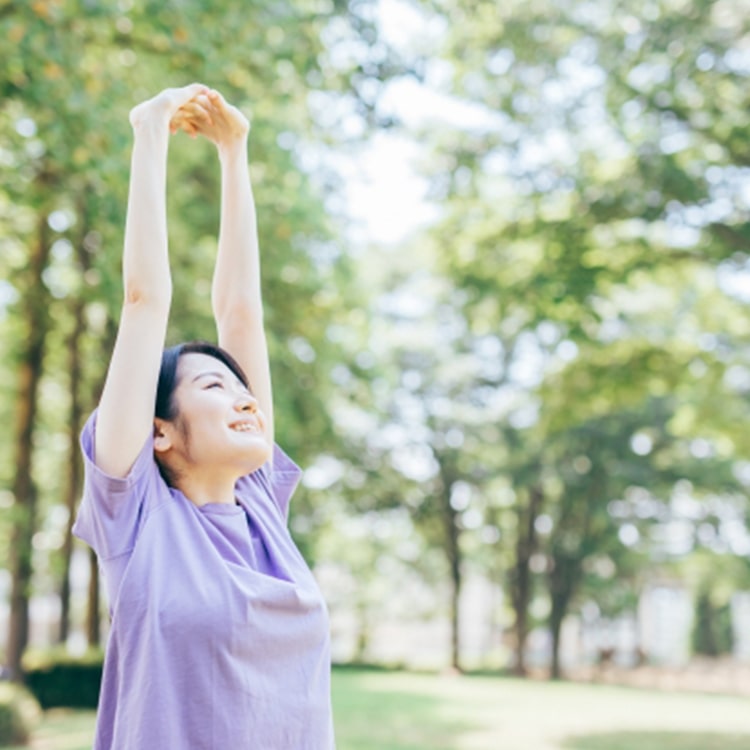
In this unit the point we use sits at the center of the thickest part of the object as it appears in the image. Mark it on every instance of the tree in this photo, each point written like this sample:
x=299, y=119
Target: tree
x=71, y=73
x=35, y=306
x=712, y=630
x=591, y=180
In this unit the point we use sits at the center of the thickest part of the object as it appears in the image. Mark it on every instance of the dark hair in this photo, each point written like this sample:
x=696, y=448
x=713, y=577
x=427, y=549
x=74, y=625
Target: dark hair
x=166, y=407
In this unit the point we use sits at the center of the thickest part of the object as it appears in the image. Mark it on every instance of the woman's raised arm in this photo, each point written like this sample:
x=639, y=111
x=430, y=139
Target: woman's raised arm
x=236, y=289
x=126, y=410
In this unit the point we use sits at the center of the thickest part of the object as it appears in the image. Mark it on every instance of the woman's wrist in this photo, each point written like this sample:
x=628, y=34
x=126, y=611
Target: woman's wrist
x=150, y=131
x=233, y=149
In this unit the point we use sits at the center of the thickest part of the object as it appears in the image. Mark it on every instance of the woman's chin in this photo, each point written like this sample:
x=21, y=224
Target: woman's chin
x=256, y=456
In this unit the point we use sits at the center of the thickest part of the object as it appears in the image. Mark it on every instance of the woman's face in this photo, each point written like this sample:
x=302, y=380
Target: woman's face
x=218, y=423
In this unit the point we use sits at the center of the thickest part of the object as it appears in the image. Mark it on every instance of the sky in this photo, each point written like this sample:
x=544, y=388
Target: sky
x=386, y=197
x=385, y=193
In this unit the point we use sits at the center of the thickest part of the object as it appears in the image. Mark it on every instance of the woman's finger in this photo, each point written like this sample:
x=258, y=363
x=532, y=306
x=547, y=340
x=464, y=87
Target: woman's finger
x=194, y=110
x=181, y=96
x=191, y=118
x=166, y=103
x=227, y=113
x=190, y=128
x=181, y=122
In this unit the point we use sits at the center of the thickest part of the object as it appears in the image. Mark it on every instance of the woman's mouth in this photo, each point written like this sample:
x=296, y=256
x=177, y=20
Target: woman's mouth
x=245, y=427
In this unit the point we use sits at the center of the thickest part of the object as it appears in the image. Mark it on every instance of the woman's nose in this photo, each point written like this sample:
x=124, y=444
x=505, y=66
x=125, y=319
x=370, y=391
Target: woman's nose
x=246, y=402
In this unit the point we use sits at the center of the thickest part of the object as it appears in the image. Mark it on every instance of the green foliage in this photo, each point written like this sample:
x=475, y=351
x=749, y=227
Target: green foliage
x=576, y=335
x=712, y=626
x=582, y=242
x=71, y=73
x=19, y=713
x=59, y=680
x=658, y=741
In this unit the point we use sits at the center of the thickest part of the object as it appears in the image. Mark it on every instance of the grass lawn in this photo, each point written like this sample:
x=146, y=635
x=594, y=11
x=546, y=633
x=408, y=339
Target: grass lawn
x=382, y=711
x=403, y=711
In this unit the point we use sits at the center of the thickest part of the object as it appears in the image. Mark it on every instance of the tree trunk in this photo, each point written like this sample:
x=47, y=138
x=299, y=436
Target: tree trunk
x=363, y=632
x=453, y=553
x=563, y=580
x=75, y=419
x=93, y=617
x=574, y=543
x=35, y=311
x=456, y=581
x=559, y=607
x=526, y=546
x=93, y=606
x=73, y=489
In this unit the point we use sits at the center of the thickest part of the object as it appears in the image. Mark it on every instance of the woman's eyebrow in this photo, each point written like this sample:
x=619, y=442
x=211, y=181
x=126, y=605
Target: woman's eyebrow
x=212, y=374
x=221, y=376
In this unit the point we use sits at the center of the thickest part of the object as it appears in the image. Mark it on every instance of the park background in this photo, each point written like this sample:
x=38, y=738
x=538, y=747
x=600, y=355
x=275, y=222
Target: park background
x=505, y=270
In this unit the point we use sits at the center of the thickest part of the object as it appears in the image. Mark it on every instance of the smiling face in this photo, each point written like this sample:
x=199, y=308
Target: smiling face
x=219, y=428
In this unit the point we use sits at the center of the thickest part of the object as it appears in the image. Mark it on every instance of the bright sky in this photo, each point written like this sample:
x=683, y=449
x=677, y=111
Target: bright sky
x=385, y=193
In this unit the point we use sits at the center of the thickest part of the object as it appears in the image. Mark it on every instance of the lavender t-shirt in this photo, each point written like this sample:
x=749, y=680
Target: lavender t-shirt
x=219, y=637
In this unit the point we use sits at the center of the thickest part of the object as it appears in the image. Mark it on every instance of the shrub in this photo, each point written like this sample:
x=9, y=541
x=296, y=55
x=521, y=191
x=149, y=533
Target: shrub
x=712, y=627
x=18, y=713
x=60, y=680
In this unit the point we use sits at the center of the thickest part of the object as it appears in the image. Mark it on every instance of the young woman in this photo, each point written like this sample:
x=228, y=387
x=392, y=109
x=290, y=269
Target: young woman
x=219, y=634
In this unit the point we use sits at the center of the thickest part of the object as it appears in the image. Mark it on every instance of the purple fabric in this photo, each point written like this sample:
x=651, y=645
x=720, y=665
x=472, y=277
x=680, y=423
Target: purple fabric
x=219, y=636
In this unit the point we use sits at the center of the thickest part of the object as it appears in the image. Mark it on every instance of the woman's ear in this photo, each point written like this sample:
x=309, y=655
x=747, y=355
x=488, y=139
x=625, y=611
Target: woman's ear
x=162, y=435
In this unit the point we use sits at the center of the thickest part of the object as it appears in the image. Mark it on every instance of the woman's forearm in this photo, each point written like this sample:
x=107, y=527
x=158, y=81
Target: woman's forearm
x=145, y=259
x=236, y=281
x=236, y=288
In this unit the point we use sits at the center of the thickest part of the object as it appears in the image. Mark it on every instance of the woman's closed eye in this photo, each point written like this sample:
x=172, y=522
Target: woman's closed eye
x=215, y=384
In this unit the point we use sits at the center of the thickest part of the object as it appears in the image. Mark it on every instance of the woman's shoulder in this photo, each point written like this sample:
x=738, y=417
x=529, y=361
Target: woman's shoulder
x=113, y=509
x=143, y=466
x=276, y=479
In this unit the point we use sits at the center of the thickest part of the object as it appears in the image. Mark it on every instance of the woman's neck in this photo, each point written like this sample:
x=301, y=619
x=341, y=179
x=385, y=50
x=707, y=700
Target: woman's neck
x=202, y=490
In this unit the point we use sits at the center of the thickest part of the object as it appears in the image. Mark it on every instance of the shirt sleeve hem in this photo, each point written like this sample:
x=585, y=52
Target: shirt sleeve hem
x=278, y=477
x=113, y=484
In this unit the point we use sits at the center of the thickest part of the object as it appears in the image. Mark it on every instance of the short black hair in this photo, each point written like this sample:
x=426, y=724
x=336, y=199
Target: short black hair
x=166, y=406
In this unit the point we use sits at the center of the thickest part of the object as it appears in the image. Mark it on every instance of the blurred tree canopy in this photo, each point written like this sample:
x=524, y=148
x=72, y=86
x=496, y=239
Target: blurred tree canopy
x=72, y=71
x=590, y=172
x=595, y=213
x=547, y=385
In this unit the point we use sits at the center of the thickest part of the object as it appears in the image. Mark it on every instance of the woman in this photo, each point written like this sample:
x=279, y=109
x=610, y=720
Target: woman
x=219, y=636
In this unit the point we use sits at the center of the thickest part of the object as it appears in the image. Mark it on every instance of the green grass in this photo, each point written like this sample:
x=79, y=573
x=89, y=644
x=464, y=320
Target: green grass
x=63, y=730
x=377, y=711
x=403, y=711
x=659, y=741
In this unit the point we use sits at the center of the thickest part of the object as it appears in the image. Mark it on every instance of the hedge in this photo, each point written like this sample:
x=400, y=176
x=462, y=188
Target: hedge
x=59, y=680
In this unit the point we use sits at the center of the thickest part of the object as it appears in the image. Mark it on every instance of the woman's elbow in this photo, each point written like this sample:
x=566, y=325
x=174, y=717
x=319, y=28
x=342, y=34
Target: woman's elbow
x=145, y=296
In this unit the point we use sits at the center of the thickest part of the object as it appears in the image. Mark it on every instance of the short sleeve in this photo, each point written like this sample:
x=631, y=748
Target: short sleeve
x=113, y=509
x=277, y=478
